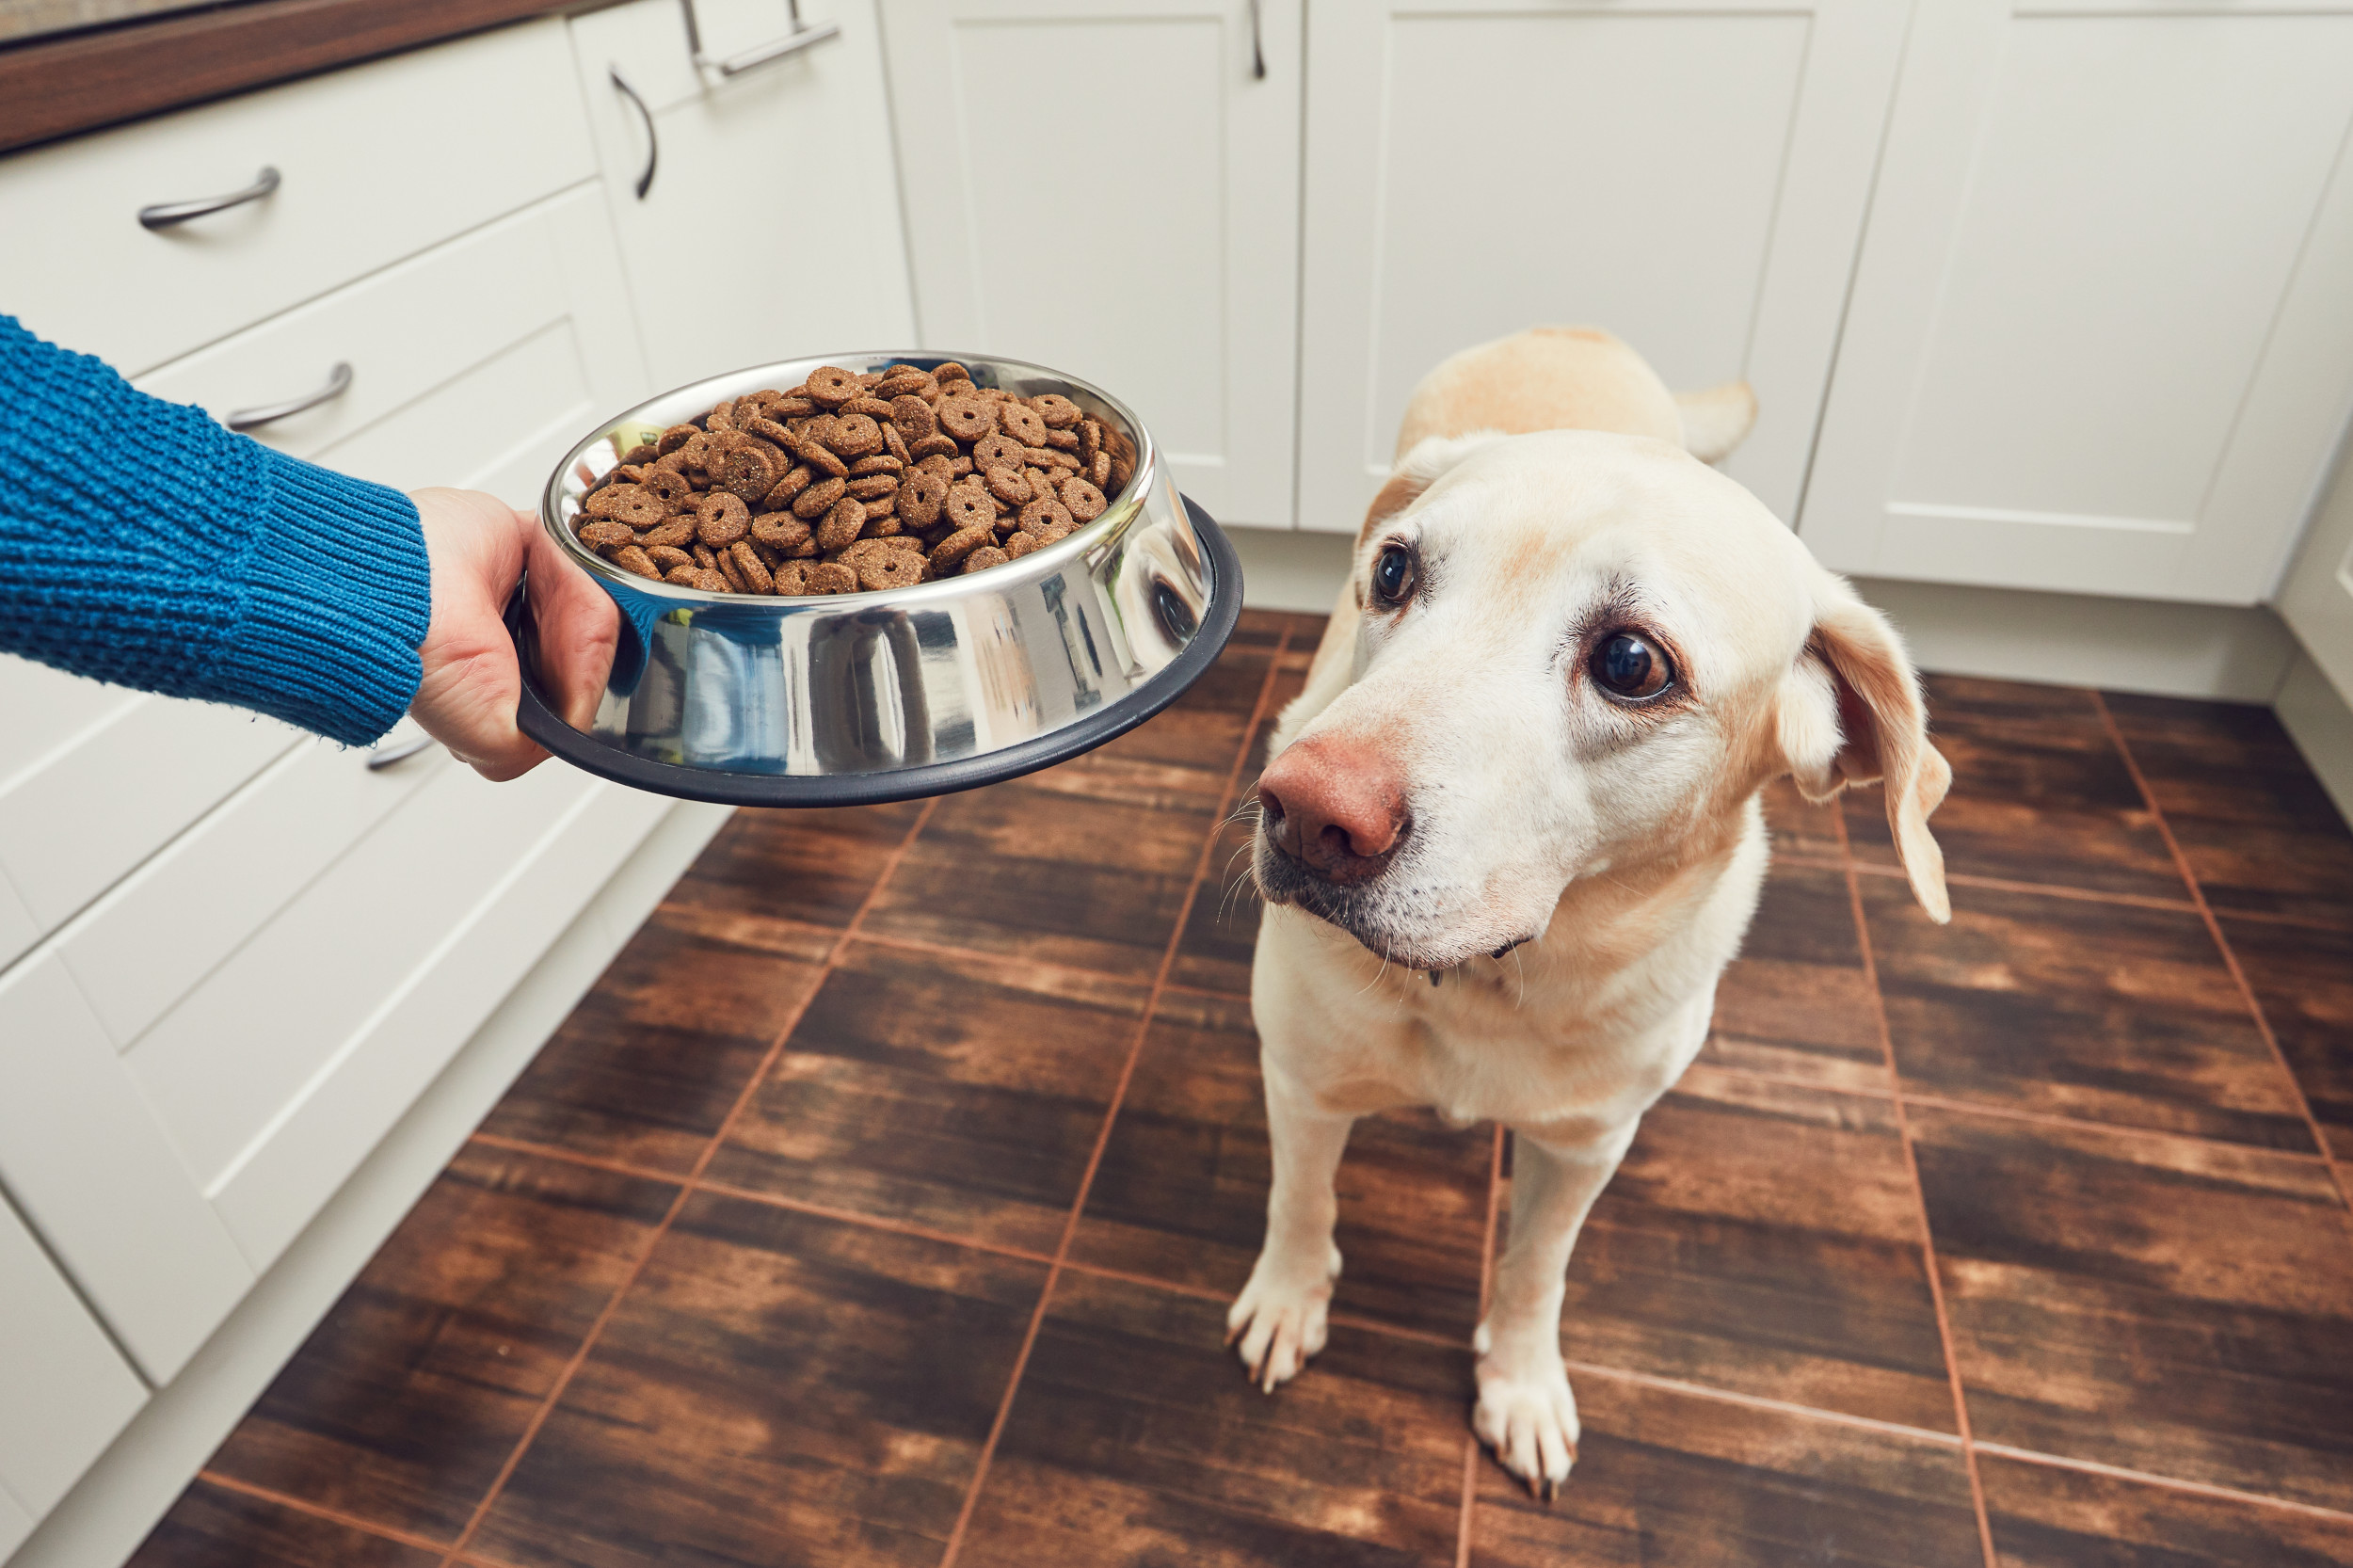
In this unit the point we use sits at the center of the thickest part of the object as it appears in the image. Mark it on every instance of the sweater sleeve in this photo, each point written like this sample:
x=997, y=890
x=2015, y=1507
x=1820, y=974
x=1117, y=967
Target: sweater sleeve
x=142, y=543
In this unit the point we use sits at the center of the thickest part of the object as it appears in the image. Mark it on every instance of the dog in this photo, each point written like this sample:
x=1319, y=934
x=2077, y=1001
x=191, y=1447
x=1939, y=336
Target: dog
x=1511, y=831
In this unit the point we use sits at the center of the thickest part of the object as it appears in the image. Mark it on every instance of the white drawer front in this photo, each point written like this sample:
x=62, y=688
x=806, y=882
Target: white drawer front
x=72, y=824
x=64, y=1392
x=511, y=339
x=15, y=1524
x=48, y=710
x=377, y=162
x=91, y=1170
x=159, y=932
x=415, y=1029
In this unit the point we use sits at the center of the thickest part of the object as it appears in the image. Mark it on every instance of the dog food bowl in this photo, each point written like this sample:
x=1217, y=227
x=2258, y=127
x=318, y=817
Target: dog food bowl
x=857, y=698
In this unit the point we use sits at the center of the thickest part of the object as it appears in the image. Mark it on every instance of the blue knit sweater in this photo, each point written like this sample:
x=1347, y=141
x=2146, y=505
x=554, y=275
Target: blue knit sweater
x=143, y=544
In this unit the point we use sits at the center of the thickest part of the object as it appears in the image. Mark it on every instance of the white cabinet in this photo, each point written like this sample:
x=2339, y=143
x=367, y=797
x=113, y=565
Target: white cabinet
x=64, y=1390
x=1113, y=190
x=2098, y=340
x=1691, y=178
x=2316, y=601
x=770, y=230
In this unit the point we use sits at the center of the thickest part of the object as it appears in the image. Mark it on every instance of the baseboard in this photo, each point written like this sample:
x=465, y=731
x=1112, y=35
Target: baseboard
x=109, y=1511
x=1284, y=570
x=2317, y=718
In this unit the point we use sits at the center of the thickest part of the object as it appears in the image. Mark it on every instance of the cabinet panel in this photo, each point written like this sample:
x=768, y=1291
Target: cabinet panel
x=771, y=230
x=2078, y=356
x=15, y=1524
x=64, y=1391
x=1693, y=180
x=1136, y=225
x=91, y=1168
x=378, y=161
x=2316, y=601
x=47, y=711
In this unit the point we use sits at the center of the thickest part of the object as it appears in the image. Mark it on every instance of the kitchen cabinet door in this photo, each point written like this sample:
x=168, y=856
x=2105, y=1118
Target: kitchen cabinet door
x=2316, y=601
x=1692, y=179
x=2098, y=340
x=1113, y=191
x=64, y=1390
x=770, y=227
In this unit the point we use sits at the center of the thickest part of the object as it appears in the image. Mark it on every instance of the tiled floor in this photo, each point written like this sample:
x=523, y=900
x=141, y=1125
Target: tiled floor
x=881, y=1205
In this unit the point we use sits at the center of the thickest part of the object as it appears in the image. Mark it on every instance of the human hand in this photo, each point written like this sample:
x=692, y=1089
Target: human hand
x=478, y=546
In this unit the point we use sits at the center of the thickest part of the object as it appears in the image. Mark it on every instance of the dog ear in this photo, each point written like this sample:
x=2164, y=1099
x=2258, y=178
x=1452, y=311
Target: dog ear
x=1419, y=469
x=1851, y=714
x=1717, y=420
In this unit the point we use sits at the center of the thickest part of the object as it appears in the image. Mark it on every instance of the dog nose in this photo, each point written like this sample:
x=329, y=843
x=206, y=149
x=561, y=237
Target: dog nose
x=1334, y=804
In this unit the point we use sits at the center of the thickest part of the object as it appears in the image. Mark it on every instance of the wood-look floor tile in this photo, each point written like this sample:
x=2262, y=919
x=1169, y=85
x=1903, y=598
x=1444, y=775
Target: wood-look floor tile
x=960, y=1094
x=2162, y=1304
x=1670, y=1480
x=403, y=1404
x=1221, y=927
x=1765, y=1239
x=646, y=1067
x=2046, y=1517
x=1796, y=1003
x=2040, y=793
x=2302, y=978
x=1796, y=827
x=2260, y=833
x=1206, y=726
x=216, y=1527
x=1084, y=865
x=1181, y=1193
x=775, y=1389
x=2110, y=1012
x=1137, y=1440
x=788, y=882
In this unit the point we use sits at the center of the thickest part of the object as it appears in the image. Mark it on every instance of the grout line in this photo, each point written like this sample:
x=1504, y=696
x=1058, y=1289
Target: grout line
x=572, y=1157
x=320, y=1510
x=2001, y=885
x=2230, y=959
x=1920, y=1194
x=1111, y=1112
x=711, y=1149
x=1760, y=1401
x=1464, y=1528
x=2198, y=1488
x=872, y=1221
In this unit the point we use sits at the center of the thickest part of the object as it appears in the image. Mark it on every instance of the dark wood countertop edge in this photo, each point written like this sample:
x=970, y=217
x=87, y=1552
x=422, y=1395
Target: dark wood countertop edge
x=62, y=87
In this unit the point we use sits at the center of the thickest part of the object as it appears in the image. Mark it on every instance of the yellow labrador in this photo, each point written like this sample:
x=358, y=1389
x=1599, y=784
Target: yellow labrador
x=1511, y=833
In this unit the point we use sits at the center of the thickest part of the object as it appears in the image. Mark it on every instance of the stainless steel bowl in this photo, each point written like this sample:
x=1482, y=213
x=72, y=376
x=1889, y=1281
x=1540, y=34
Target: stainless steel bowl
x=863, y=697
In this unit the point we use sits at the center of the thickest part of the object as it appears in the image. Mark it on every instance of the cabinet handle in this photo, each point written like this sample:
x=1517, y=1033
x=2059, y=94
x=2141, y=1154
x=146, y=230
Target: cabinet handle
x=167, y=214
x=653, y=150
x=1258, y=55
x=337, y=383
x=386, y=757
x=803, y=36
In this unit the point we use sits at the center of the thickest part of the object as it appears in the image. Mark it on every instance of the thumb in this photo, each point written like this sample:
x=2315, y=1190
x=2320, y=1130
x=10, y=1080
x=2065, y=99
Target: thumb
x=579, y=627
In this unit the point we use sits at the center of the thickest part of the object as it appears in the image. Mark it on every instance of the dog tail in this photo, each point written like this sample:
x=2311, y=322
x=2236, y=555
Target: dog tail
x=1717, y=420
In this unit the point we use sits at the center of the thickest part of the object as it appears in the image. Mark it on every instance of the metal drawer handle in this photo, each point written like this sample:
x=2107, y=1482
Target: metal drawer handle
x=1258, y=55
x=337, y=383
x=169, y=213
x=803, y=36
x=653, y=149
x=386, y=757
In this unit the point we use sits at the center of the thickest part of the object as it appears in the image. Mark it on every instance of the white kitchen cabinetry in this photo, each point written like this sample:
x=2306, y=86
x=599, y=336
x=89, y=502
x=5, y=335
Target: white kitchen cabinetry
x=770, y=230
x=1113, y=190
x=2316, y=601
x=1693, y=178
x=64, y=1390
x=2098, y=340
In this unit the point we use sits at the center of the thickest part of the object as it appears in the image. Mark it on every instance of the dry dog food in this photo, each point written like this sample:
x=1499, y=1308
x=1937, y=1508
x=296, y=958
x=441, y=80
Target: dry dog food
x=851, y=483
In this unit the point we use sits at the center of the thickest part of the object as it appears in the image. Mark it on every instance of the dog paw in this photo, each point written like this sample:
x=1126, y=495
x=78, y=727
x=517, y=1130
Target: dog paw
x=1281, y=1317
x=1528, y=1418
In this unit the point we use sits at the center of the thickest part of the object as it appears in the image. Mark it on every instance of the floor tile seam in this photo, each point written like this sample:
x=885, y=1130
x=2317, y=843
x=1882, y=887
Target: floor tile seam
x=321, y=1511
x=2298, y=923
x=872, y=1221
x=1467, y=1522
x=1920, y=1199
x=686, y=1191
x=2000, y=885
x=1760, y=1401
x=2171, y=1483
x=1111, y=1116
x=2230, y=959
x=947, y=949
x=573, y=1156
x=2121, y=1129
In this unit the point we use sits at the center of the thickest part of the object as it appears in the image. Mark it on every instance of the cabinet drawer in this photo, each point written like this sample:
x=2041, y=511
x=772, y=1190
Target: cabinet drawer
x=377, y=162
x=514, y=335
x=64, y=1392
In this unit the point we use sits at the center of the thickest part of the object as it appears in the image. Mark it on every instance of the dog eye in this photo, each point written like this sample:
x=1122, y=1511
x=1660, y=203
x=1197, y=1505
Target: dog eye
x=1393, y=575
x=1631, y=666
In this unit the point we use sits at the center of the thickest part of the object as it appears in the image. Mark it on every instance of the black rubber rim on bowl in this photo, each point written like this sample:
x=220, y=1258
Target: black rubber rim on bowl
x=724, y=788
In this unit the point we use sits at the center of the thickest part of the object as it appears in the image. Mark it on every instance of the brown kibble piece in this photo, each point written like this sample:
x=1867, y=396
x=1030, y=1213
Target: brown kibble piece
x=1020, y=422
x=881, y=462
x=970, y=505
x=997, y=450
x=966, y=417
x=792, y=578
x=830, y=386
x=670, y=485
x=1097, y=471
x=1040, y=515
x=811, y=449
x=721, y=519
x=605, y=533
x=683, y=575
x=749, y=566
x=780, y=531
x=816, y=500
x=912, y=417
x=674, y=438
x=986, y=557
x=712, y=582
x=894, y=443
x=1017, y=545
x=734, y=577
x=677, y=531
x=922, y=496
x=844, y=523
x=791, y=485
x=831, y=577
x=668, y=558
x=951, y=371
x=633, y=505
x=629, y=558
x=1058, y=411
x=1062, y=440
x=956, y=546
x=1085, y=502
x=854, y=436
x=874, y=486
x=938, y=445
x=868, y=404
x=1008, y=485
x=891, y=569
x=643, y=452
